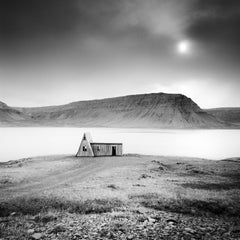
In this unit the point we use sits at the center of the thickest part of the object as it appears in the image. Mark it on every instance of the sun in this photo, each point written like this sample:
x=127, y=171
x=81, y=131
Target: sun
x=184, y=47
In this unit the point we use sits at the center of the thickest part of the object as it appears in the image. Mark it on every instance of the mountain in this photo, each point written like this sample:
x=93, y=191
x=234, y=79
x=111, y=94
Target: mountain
x=155, y=110
x=10, y=116
x=231, y=115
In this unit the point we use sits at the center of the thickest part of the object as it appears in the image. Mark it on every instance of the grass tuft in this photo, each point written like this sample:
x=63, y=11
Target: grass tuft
x=213, y=186
x=189, y=206
x=33, y=206
x=112, y=186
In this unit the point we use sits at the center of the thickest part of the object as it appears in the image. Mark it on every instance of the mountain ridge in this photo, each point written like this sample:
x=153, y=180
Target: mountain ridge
x=227, y=114
x=153, y=110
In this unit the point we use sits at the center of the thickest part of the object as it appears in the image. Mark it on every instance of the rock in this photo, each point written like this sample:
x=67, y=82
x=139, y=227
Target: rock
x=138, y=211
x=29, y=225
x=145, y=176
x=31, y=218
x=157, y=217
x=58, y=228
x=13, y=214
x=171, y=221
x=226, y=234
x=193, y=211
x=151, y=220
x=236, y=229
x=77, y=235
x=203, y=229
x=145, y=222
x=168, y=228
x=189, y=230
x=37, y=236
x=30, y=231
x=130, y=237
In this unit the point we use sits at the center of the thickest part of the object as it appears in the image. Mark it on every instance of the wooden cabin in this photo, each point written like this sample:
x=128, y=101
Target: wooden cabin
x=88, y=148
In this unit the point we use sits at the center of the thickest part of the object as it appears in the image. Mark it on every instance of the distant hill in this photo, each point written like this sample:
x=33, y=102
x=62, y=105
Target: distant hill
x=231, y=115
x=156, y=110
x=10, y=116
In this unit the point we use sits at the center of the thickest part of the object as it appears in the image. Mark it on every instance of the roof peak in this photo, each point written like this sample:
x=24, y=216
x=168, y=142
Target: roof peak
x=99, y=143
x=87, y=136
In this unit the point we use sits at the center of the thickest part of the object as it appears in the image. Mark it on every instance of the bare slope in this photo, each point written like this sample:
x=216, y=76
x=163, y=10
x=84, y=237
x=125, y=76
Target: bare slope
x=231, y=115
x=156, y=110
x=11, y=116
x=84, y=178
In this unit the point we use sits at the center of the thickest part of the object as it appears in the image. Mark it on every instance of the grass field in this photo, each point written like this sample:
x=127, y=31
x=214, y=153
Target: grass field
x=67, y=185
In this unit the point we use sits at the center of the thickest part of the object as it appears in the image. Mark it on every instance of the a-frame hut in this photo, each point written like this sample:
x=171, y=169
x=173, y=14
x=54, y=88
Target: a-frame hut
x=90, y=149
x=85, y=149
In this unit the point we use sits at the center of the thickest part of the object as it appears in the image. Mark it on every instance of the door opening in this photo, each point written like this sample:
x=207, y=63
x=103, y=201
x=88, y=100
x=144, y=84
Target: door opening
x=114, y=151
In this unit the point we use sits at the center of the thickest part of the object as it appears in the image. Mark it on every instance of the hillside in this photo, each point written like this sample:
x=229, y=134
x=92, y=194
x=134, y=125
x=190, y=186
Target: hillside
x=231, y=115
x=11, y=116
x=156, y=110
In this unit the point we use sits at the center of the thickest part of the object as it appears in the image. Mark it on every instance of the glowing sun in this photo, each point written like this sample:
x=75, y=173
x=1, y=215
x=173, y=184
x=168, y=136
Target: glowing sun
x=184, y=47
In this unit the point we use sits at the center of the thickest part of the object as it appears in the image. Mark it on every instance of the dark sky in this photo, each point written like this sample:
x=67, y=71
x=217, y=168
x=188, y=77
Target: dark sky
x=58, y=51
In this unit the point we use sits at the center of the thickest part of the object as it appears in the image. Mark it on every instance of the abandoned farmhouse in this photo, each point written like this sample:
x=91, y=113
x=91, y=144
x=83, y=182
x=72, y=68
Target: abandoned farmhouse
x=88, y=148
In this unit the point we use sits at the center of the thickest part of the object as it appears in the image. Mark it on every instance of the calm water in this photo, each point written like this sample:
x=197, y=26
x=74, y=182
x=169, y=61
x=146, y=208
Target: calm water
x=18, y=143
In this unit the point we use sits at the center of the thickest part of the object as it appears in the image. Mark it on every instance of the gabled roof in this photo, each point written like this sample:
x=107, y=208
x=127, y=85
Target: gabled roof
x=101, y=143
x=87, y=136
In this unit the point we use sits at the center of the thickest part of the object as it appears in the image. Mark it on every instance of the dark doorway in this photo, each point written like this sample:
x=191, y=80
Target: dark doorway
x=114, y=151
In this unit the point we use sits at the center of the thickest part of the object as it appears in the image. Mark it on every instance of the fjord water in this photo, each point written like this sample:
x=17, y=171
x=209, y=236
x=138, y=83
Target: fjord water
x=16, y=143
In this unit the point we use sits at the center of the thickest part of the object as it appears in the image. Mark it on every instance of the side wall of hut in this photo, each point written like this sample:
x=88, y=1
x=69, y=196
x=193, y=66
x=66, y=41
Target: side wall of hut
x=106, y=149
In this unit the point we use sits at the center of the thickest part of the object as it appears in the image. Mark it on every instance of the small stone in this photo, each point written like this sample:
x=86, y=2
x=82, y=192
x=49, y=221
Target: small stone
x=37, y=236
x=31, y=218
x=77, y=235
x=130, y=237
x=203, y=229
x=171, y=221
x=190, y=230
x=236, y=229
x=30, y=231
x=58, y=228
x=151, y=220
x=226, y=234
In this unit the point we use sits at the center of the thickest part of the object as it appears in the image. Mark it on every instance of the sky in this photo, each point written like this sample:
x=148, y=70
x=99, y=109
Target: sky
x=58, y=51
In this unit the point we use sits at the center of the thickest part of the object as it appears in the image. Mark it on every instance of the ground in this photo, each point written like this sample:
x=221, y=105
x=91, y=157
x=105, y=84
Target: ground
x=128, y=197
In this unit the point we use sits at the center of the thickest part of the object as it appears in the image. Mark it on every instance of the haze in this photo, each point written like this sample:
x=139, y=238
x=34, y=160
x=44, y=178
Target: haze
x=58, y=51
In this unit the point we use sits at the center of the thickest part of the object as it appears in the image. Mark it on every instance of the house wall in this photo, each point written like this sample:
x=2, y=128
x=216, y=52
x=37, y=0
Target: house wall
x=106, y=149
x=88, y=153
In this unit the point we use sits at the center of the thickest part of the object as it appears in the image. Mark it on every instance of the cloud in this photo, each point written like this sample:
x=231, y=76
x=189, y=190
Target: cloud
x=80, y=30
x=167, y=18
x=47, y=43
x=52, y=19
x=215, y=24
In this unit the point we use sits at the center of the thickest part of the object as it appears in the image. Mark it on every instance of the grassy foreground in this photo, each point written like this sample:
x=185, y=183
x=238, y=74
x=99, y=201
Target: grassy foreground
x=129, y=197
